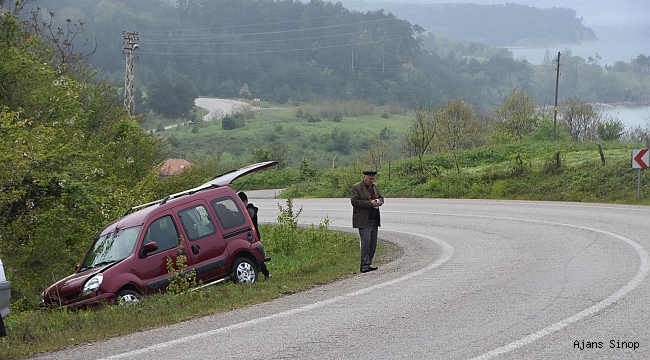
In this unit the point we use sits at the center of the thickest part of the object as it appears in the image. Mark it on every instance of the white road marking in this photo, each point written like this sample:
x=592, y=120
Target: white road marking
x=447, y=253
x=641, y=274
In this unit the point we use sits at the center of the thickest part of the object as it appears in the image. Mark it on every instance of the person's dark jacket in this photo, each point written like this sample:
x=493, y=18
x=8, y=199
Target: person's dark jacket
x=252, y=211
x=361, y=205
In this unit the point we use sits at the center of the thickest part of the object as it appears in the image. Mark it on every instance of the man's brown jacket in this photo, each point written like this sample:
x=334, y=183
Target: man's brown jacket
x=361, y=205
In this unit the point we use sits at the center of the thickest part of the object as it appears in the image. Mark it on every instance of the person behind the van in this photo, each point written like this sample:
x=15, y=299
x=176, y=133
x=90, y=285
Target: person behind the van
x=252, y=211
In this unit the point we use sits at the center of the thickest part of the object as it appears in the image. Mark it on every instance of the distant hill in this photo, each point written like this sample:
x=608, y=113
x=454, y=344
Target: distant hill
x=497, y=24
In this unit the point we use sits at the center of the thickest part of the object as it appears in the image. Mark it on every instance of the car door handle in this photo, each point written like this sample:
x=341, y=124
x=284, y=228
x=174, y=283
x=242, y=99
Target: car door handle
x=195, y=249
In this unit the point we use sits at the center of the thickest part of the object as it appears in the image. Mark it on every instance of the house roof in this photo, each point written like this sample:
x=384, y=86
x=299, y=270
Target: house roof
x=174, y=166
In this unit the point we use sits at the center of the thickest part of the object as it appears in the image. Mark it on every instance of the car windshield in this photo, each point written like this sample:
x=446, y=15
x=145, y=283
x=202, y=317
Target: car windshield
x=111, y=247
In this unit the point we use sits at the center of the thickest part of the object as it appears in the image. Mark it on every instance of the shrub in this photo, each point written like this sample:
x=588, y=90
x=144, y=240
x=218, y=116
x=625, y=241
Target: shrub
x=179, y=281
x=232, y=122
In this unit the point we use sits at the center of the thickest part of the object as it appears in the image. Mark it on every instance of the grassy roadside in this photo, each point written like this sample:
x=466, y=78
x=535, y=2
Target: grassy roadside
x=302, y=258
x=533, y=170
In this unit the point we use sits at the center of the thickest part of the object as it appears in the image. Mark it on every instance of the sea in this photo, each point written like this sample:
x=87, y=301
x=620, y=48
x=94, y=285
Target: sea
x=615, y=43
x=632, y=117
x=618, y=42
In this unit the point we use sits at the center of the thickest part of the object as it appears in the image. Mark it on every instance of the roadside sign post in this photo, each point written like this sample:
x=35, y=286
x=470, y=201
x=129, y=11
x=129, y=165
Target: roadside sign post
x=640, y=160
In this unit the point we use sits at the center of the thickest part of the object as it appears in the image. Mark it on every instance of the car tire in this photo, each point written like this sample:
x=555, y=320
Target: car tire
x=244, y=271
x=128, y=296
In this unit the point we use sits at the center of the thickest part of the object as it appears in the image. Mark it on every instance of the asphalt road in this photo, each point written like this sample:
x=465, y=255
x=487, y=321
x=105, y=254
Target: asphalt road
x=218, y=108
x=477, y=280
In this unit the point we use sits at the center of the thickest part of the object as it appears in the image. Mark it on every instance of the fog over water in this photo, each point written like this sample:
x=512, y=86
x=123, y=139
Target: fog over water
x=622, y=27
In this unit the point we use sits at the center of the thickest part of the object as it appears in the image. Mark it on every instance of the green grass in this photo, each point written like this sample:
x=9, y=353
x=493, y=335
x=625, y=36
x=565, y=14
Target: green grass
x=302, y=258
x=322, y=143
x=515, y=171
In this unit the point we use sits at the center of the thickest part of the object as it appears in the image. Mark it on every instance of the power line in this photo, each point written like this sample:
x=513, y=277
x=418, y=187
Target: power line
x=277, y=51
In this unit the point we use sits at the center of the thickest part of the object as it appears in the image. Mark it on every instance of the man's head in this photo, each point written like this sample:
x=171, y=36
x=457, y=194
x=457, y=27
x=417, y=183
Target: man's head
x=369, y=176
x=243, y=197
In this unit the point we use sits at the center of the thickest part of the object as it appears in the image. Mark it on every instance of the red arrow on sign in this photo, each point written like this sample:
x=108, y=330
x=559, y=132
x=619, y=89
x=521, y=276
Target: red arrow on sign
x=639, y=158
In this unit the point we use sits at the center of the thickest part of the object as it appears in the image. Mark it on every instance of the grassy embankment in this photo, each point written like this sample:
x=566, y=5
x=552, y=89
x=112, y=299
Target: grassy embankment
x=302, y=258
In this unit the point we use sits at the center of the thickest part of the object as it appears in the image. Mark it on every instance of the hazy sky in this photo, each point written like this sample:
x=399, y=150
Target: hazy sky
x=594, y=12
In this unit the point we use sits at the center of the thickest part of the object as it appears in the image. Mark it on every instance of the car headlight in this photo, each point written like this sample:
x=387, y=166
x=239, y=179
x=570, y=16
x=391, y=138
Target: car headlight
x=93, y=284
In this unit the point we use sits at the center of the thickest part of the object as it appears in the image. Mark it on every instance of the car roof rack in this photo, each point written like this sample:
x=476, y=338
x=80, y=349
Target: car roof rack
x=170, y=197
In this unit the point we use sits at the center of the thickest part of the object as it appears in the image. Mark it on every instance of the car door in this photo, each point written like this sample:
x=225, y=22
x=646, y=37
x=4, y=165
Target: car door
x=151, y=268
x=206, y=249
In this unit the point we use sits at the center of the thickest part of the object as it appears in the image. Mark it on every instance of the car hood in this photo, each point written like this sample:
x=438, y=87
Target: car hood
x=72, y=284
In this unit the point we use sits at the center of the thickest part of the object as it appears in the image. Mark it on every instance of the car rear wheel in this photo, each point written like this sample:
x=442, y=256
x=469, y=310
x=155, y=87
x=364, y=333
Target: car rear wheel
x=127, y=296
x=244, y=271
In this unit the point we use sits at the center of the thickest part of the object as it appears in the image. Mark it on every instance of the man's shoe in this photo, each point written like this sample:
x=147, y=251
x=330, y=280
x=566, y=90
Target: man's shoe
x=266, y=277
x=365, y=270
x=372, y=268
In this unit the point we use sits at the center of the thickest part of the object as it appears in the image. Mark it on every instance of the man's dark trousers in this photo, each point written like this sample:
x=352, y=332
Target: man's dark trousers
x=368, y=243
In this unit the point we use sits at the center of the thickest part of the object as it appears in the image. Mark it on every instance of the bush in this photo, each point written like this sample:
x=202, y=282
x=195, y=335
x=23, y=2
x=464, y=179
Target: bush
x=232, y=122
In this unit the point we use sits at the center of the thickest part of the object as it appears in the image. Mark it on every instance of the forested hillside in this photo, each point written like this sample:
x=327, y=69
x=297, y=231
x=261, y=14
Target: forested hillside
x=506, y=24
x=290, y=51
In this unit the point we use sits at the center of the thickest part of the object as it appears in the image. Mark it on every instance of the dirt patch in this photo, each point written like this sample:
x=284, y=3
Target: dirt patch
x=388, y=252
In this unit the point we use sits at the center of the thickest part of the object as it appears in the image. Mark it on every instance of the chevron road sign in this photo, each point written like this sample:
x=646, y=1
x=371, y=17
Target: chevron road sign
x=640, y=159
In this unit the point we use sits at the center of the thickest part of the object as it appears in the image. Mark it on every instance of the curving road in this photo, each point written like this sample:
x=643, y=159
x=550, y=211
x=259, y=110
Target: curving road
x=218, y=108
x=477, y=280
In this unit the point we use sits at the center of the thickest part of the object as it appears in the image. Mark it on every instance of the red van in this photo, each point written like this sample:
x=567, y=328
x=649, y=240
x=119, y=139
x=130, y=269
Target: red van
x=128, y=258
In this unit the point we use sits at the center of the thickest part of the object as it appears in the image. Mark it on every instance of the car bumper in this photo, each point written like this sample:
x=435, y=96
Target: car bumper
x=104, y=298
x=5, y=296
x=260, y=250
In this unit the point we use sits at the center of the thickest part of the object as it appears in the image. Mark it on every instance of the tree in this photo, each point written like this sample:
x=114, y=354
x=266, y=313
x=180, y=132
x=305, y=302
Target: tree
x=72, y=160
x=457, y=127
x=580, y=119
x=642, y=62
x=517, y=116
x=244, y=92
x=421, y=135
x=378, y=152
x=233, y=122
x=171, y=98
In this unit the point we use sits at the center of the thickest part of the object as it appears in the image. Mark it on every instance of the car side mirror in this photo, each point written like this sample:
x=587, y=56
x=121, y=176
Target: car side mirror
x=148, y=248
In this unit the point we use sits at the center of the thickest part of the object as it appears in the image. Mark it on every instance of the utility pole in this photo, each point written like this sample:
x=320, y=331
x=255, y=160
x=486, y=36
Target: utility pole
x=130, y=46
x=557, y=82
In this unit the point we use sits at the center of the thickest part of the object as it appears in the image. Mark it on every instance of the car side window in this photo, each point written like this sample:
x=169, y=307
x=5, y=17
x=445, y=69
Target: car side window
x=164, y=233
x=228, y=212
x=196, y=222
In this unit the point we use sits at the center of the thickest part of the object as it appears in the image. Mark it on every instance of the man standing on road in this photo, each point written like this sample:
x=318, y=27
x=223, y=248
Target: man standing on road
x=366, y=200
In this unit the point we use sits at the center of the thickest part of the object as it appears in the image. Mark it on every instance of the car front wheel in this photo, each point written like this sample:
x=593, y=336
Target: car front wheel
x=127, y=296
x=244, y=271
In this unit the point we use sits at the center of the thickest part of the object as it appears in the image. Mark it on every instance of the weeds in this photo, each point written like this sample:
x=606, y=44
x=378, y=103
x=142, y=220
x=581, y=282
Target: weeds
x=318, y=256
x=287, y=217
x=180, y=280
